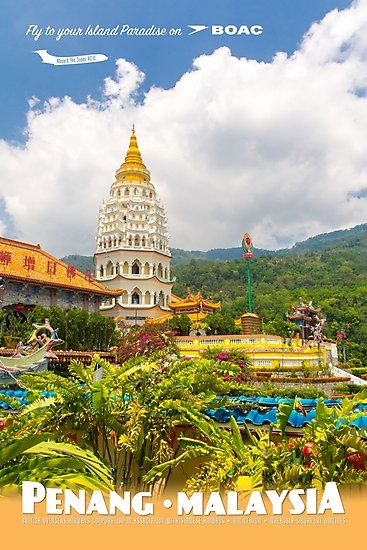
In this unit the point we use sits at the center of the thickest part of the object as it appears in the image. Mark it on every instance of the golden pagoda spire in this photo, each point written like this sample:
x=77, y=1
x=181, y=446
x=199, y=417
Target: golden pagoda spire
x=133, y=168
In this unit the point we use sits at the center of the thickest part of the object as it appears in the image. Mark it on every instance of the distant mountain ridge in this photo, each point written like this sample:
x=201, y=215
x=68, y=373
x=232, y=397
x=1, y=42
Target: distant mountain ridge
x=324, y=241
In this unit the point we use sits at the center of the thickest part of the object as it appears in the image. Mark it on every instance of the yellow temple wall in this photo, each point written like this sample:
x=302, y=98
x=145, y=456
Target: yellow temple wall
x=266, y=351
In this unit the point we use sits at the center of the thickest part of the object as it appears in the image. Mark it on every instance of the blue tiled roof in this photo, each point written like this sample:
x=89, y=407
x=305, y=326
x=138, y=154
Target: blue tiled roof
x=20, y=396
x=274, y=401
x=258, y=417
x=264, y=411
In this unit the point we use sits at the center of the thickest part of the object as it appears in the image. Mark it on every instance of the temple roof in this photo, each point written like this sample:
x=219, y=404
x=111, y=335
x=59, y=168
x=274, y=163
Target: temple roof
x=25, y=262
x=192, y=300
x=133, y=168
x=194, y=317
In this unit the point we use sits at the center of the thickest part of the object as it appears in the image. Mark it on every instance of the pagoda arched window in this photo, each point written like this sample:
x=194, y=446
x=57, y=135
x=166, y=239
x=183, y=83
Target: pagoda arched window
x=130, y=241
x=136, y=268
x=137, y=240
x=101, y=271
x=147, y=298
x=160, y=271
x=127, y=192
x=109, y=269
x=125, y=268
x=136, y=297
x=136, y=192
x=161, y=298
x=146, y=269
x=143, y=241
x=166, y=273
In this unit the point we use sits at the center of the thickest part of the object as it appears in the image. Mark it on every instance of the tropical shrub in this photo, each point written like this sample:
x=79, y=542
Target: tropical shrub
x=233, y=356
x=131, y=417
x=146, y=341
x=180, y=324
x=221, y=324
x=330, y=449
x=38, y=458
x=346, y=389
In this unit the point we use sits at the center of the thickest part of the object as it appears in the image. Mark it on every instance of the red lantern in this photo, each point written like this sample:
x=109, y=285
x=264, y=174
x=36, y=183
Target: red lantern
x=19, y=307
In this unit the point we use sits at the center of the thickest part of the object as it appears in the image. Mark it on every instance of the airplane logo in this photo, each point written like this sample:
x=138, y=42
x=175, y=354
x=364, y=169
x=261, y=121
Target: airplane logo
x=197, y=28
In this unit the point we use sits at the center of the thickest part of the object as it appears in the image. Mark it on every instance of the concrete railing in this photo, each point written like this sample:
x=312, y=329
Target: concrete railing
x=354, y=379
x=239, y=340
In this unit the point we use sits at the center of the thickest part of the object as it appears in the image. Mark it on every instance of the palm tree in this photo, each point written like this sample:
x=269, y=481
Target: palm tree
x=131, y=418
x=38, y=458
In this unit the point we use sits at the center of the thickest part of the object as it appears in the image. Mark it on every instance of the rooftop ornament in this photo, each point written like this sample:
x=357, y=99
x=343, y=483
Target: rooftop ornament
x=248, y=255
x=307, y=317
x=250, y=321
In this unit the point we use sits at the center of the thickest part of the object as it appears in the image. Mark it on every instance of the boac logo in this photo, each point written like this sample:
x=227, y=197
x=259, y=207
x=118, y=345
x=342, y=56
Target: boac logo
x=230, y=30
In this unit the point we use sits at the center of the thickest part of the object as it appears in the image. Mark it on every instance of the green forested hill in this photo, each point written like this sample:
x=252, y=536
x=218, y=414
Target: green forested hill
x=80, y=262
x=332, y=239
x=335, y=279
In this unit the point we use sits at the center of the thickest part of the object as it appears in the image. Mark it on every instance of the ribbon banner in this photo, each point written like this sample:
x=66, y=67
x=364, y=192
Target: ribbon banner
x=72, y=59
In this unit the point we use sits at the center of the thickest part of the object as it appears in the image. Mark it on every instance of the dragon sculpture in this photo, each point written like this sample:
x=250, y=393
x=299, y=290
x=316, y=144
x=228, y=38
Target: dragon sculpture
x=33, y=356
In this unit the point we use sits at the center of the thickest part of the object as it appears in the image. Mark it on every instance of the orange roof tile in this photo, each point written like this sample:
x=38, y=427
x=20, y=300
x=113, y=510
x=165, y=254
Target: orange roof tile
x=27, y=262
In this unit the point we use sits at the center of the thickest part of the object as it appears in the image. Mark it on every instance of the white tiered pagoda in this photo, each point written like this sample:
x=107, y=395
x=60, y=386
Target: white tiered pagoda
x=132, y=252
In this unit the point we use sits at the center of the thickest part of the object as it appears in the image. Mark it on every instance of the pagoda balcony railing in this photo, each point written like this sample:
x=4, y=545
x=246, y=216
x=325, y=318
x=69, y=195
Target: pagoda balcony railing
x=133, y=277
x=132, y=247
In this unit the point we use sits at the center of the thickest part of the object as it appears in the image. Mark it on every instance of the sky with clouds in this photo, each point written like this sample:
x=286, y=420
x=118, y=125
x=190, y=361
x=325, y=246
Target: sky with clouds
x=264, y=138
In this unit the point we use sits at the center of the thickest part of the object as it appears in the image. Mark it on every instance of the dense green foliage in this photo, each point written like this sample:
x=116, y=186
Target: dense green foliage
x=79, y=330
x=129, y=419
x=180, y=324
x=36, y=457
x=334, y=280
x=132, y=425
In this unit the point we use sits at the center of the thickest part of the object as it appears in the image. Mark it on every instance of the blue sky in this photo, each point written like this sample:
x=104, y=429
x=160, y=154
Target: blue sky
x=163, y=60
x=238, y=136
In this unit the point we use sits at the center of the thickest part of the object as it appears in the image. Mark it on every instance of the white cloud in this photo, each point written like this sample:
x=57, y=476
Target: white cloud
x=278, y=149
